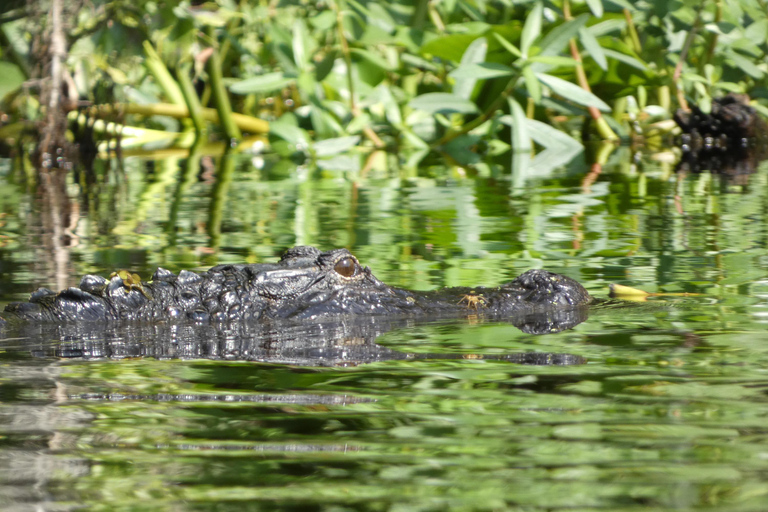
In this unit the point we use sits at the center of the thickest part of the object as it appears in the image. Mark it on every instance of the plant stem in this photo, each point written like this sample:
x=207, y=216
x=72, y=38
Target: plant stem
x=160, y=72
x=245, y=123
x=603, y=128
x=221, y=99
x=190, y=97
x=636, y=46
x=345, y=52
x=369, y=133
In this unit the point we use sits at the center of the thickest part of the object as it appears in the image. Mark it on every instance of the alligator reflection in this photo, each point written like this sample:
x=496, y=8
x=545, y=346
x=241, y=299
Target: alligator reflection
x=345, y=342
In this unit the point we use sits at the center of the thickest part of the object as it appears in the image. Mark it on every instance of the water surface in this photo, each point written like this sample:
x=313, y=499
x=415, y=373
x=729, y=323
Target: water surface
x=662, y=407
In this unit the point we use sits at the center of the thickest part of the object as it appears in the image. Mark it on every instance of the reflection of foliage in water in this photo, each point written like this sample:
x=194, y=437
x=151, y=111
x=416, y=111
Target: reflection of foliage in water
x=417, y=232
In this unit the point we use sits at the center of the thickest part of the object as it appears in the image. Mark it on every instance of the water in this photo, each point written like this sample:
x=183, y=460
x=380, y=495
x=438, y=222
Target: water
x=663, y=407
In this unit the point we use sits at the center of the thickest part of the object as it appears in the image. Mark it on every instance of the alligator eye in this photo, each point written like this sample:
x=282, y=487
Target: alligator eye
x=346, y=267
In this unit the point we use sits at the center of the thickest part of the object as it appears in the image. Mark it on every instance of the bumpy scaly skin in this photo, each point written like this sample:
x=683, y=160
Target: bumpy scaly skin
x=305, y=284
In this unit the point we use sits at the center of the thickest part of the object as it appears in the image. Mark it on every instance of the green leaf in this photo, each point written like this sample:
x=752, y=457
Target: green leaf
x=554, y=42
x=593, y=47
x=626, y=59
x=745, y=64
x=624, y=4
x=448, y=47
x=532, y=84
x=380, y=17
x=757, y=32
x=596, y=6
x=290, y=133
x=550, y=137
x=507, y=45
x=521, y=142
x=302, y=44
x=461, y=150
x=532, y=28
x=323, y=21
x=261, y=84
x=358, y=123
x=12, y=79
x=572, y=92
x=482, y=71
x=555, y=60
x=442, y=103
x=374, y=59
x=560, y=147
x=335, y=146
x=474, y=54
x=608, y=26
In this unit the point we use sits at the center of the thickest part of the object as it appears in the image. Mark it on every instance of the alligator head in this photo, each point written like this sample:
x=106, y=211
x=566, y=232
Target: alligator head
x=305, y=285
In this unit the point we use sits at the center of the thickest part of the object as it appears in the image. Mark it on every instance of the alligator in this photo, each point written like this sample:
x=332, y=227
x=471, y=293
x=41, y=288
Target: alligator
x=306, y=285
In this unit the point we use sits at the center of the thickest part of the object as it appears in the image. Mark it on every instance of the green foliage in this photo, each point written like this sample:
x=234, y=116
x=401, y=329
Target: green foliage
x=410, y=76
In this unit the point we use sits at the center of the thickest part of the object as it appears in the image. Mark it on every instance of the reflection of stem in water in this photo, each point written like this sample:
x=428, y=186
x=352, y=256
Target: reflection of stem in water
x=151, y=196
x=187, y=178
x=55, y=208
x=352, y=216
x=218, y=195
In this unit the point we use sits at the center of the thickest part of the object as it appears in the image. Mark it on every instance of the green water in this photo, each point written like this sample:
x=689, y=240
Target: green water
x=669, y=412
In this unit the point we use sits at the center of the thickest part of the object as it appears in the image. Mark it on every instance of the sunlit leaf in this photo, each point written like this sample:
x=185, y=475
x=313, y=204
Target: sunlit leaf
x=520, y=140
x=555, y=40
x=335, y=146
x=290, y=133
x=624, y=4
x=745, y=64
x=448, y=47
x=474, y=54
x=626, y=59
x=12, y=78
x=532, y=84
x=373, y=58
x=596, y=6
x=302, y=44
x=572, y=92
x=554, y=60
x=606, y=27
x=323, y=21
x=757, y=32
x=380, y=17
x=550, y=137
x=507, y=45
x=592, y=47
x=261, y=84
x=442, y=103
x=532, y=28
x=482, y=71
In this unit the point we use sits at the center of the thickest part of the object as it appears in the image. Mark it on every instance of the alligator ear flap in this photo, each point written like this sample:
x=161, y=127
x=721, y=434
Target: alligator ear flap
x=93, y=284
x=39, y=294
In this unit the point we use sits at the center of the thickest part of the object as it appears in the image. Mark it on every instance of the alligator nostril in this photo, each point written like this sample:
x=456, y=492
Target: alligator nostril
x=346, y=267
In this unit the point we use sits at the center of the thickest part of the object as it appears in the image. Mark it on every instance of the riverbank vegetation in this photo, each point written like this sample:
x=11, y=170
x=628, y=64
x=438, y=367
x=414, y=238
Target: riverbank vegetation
x=340, y=83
